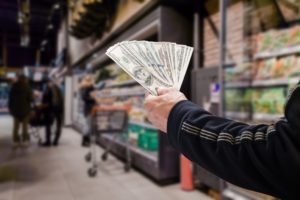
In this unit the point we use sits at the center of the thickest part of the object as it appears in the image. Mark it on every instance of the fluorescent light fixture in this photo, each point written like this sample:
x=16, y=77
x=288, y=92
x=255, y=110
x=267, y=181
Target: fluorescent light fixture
x=56, y=6
x=50, y=27
x=44, y=42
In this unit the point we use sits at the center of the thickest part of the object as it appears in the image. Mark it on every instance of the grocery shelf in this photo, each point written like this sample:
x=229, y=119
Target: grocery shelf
x=139, y=93
x=277, y=52
x=237, y=115
x=143, y=124
x=275, y=82
x=120, y=84
x=238, y=84
x=266, y=117
x=145, y=161
x=263, y=83
x=153, y=156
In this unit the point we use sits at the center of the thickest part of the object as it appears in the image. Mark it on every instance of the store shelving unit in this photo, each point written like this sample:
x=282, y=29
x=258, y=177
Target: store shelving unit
x=266, y=117
x=274, y=82
x=237, y=115
x=100, y=94
x=120, y=145
x=238, y=84
x=263, y=83
x=123, y=83
x=143, y=124
x=277, y=52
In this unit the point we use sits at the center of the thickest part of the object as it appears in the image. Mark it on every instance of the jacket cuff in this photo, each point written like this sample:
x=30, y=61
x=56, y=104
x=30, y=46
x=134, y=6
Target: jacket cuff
x=175, y=119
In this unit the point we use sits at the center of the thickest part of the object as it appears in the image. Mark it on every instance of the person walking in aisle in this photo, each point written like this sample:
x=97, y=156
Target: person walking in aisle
x=87, y=95
x=20, y=99
x=58, y=110
x=52, y=104
x=263, y=158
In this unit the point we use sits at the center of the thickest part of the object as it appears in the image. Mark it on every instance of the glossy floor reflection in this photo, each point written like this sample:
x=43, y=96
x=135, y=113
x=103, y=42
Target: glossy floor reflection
x=59, y=173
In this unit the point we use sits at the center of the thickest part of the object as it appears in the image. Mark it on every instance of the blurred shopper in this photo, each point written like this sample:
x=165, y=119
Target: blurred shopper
x=87, y=95
x=264, y=158
x=20, y=99
x=52, y=104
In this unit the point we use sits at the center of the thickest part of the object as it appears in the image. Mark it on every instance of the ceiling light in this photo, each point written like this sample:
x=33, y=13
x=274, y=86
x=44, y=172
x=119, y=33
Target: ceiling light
x=44, y=42
x=50, y=27
x=20, y=20
x=56, y=6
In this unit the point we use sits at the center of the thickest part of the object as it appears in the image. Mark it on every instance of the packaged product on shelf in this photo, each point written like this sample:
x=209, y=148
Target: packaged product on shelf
x=264, y=68
x=294, y=37
x=237, y=100
x=133, y=133
x=106, y=100
x=137, y=114
x=278, y=70
x=148, y=139
x=102, y=74
x=294, y=69
x=265, y=41
x=229, y=73
x=282, y=39
x=241, y=72
x=122, y=76
x=286, y=64
x=269, y=100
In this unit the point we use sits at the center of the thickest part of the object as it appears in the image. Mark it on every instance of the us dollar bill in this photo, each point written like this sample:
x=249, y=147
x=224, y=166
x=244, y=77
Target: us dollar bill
x=153, y=64
x=139, y=52
x=134, y=69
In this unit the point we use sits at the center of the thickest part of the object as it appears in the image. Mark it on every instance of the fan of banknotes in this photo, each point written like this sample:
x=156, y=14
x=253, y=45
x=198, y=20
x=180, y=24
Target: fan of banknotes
x=152, y=64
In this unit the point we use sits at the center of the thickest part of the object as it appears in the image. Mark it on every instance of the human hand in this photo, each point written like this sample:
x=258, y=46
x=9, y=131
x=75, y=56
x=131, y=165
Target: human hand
x=159, y=107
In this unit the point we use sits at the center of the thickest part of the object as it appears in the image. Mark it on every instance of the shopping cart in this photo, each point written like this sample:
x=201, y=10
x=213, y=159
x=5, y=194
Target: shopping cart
x=36, y=123
x=112, y=120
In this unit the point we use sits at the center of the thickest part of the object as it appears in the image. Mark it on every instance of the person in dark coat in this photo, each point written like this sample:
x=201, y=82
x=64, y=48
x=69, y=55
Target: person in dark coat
x=87, y=89
x=264, y=158
x=20, y=99
x=52, y=104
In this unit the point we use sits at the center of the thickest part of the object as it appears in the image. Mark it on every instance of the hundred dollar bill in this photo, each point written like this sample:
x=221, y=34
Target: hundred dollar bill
x=153, y=61
x=136, y=71
x=162, y=54
x=179, y=54
x=159, y=63
x=139, y=52
x=189, y=52
x=153, y=64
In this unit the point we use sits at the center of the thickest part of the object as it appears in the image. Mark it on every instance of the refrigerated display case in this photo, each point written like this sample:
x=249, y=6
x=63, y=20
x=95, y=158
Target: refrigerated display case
x=4, y=94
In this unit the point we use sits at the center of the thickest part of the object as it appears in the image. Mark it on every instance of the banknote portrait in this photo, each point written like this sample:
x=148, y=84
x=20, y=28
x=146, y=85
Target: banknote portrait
x=143, y=75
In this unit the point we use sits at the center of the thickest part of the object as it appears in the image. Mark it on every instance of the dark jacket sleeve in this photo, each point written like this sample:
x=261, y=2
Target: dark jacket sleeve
x=264, y=158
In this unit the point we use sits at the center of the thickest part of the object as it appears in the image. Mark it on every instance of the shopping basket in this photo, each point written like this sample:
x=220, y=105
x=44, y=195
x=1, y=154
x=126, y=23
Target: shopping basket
x=107, y=119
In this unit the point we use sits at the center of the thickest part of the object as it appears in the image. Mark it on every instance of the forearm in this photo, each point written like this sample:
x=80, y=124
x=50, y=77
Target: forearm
x=239, y=153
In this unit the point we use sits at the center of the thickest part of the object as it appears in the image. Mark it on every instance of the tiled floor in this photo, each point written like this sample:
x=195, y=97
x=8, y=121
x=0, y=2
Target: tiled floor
x=59, y=173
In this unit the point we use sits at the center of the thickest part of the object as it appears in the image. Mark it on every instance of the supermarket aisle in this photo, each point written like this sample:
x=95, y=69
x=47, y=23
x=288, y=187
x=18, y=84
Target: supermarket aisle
x=60, y=173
